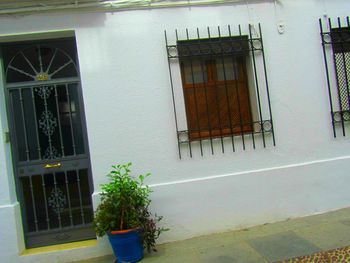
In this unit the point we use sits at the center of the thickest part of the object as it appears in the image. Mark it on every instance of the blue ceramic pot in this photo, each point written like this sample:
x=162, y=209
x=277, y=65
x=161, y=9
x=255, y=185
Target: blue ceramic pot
x=127, y=245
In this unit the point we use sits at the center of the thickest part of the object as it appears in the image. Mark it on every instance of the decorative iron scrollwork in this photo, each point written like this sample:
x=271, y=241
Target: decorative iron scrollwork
x=51, y=153
x=47, y=123
x=47, y=64
x=44, y=92
x=57, y=200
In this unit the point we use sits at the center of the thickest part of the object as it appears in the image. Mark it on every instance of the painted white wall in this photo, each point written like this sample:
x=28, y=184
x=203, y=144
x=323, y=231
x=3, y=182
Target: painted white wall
x=129, y=116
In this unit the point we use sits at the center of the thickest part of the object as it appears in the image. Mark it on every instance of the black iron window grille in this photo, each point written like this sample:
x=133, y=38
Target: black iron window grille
x=220, y=90
x=336, y=51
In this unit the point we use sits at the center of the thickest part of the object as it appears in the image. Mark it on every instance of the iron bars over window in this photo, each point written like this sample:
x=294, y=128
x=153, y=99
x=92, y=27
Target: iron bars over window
x=220, y=90
x=336, y=50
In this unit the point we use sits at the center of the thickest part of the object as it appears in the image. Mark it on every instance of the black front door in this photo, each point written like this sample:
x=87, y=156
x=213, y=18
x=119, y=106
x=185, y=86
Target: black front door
x=49, y=142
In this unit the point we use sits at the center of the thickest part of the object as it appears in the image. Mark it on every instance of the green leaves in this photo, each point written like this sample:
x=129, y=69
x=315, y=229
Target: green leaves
x=124, y=205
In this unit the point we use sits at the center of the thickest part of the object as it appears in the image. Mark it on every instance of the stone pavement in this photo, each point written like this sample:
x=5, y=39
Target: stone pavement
x=265, y=243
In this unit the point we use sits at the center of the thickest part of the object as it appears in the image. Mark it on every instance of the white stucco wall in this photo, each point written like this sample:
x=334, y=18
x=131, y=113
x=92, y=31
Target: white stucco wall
x=129, y=115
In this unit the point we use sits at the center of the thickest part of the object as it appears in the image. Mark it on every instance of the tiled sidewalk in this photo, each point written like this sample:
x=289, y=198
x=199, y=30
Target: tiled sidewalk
x=266, y=243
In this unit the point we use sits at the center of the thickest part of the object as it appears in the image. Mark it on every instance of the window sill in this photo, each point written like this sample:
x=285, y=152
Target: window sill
x=218, y=133
x=252, y=129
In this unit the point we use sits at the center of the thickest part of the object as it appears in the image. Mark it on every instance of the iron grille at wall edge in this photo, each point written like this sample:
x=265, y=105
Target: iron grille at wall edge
x=336, y=50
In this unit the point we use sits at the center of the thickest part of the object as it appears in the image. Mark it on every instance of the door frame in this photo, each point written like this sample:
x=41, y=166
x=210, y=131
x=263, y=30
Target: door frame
x=12, y=154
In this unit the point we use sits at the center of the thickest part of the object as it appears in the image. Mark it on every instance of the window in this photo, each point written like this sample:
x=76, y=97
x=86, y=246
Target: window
x=220, y=90
x=215, y=91
x=336, y=47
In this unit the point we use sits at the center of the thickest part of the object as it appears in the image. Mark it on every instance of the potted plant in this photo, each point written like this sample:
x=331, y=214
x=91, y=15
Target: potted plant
x=123, y=214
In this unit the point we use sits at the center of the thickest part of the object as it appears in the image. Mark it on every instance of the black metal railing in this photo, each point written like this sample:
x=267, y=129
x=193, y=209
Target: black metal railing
x=336, y=49
x=220, y=90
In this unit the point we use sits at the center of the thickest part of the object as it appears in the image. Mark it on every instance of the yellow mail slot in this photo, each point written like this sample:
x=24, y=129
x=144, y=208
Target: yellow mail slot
x=53, y=165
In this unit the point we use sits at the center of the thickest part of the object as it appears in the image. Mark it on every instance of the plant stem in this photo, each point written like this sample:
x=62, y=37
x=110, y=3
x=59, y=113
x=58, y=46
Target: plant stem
x=122, y=219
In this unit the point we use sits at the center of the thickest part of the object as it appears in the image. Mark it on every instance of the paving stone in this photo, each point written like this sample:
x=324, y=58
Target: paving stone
x=282, y=246
x=262, y=230
x=238, y=252
x=345, y=222
x=327, y=236
x=183, y=256
x=104, y=259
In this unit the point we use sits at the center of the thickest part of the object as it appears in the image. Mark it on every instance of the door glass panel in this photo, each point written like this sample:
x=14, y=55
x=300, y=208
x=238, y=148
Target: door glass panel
x=80, y=197
x=54, y=129
x=28, y=148
x=76, y=120
x=85, y=195
x=18, y=123
x=31, y=129
x=57, y=200
x=65, y=120
x=28, y=204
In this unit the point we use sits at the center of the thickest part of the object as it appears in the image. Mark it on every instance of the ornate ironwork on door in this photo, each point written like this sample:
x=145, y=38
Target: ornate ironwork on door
x=49, y=141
